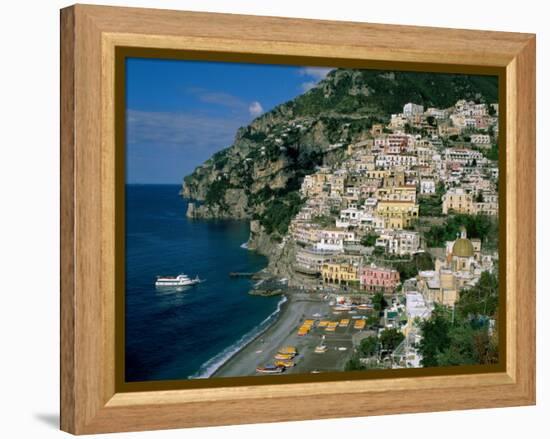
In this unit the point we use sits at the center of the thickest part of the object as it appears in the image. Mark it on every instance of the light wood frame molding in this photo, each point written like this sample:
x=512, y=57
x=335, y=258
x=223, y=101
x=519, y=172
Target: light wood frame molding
x=89, y=36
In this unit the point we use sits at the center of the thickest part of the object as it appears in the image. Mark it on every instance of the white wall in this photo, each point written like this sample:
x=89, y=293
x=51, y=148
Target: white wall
x=29, y=169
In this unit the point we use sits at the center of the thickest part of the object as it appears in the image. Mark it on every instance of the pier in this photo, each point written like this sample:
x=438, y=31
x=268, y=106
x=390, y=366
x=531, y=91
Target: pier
x=240, y=274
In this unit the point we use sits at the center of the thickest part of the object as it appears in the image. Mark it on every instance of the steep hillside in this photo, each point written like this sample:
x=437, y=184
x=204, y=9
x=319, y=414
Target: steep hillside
x=258, y=177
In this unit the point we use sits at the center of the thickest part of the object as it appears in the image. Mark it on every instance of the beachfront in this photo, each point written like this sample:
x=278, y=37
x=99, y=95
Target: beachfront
x=307, y=321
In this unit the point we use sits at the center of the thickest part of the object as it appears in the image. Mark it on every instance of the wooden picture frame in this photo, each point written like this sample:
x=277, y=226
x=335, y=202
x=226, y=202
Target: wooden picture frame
x=91, y=400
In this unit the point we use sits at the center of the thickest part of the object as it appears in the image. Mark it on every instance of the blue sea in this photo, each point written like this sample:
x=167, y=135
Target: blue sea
x=186, y=334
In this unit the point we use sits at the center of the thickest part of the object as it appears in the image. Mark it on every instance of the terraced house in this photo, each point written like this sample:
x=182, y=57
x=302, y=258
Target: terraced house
x=343, y=273
x=378, y=279
x=398, y=214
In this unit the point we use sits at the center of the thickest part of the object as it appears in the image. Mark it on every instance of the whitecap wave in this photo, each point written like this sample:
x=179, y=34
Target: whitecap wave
x=212, y=365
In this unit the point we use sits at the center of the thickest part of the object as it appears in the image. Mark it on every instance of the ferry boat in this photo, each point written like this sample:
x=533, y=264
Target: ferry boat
x=181, y=280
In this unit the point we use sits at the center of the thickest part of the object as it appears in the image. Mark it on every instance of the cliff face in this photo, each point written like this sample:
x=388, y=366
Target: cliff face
x=258, y=177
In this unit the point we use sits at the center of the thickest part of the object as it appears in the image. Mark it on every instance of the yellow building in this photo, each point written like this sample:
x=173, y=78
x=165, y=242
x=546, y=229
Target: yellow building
x=396, y=178
x=458, y=201
x=340, y=273
x=397, y=214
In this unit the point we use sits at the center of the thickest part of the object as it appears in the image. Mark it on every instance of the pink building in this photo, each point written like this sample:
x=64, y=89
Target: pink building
x=373, y=278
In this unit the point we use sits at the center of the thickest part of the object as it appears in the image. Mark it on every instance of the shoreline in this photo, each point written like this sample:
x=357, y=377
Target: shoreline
x=283, y=332
x=280, y=315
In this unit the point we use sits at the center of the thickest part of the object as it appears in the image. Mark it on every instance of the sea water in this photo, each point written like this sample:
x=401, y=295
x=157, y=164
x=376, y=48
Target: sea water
x=173, y=334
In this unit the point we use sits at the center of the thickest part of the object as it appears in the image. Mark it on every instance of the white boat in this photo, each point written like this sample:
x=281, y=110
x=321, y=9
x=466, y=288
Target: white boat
x=181, y=280
x=321, y=349
x=270, y=369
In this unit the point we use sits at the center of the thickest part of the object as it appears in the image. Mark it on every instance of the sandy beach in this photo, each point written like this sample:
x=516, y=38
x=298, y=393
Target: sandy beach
x=283, y=332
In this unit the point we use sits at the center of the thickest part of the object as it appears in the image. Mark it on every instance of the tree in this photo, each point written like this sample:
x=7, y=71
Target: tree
x=481, y=299
x=369, y=240
x=354, y=363
x=435, y=338
x=430, y=205
x=419, y=262
x=460, y=350
x=373, y=320
x=379, y=302
x=391, y=338
x=368, y=346
x=469, y=343
x=492, y=153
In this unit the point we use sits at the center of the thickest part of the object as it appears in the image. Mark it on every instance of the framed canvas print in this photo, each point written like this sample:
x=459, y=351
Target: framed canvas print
x=271, y=219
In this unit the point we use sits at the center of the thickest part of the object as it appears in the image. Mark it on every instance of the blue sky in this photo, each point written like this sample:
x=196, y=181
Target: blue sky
x=181, y=112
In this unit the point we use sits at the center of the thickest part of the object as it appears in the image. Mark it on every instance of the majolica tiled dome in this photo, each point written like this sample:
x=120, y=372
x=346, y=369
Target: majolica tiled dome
x=463, y=248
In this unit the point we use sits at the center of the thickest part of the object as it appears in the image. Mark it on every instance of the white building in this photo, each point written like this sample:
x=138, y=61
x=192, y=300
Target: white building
x=427, y=186
x=480, y=139
x=411, y=109
x=333, y=239
x=399, y=242
x=388, y=161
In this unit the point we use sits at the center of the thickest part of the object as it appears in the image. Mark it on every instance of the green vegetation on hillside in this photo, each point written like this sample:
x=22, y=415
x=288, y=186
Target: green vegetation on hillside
x=216, y=192
x=387, y=91
x=340, y=109
x=431, y=205
x=369, y=239
x=464, y=335
x=418, y=262
x=279, y=211
x=477, y=226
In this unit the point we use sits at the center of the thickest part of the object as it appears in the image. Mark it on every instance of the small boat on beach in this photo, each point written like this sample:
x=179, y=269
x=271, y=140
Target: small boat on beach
x=321, y=349
x=181, y=280
x=270, y=369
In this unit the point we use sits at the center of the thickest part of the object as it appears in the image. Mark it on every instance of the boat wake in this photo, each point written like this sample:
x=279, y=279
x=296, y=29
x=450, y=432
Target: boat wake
x=212, y=365
x=244, y=245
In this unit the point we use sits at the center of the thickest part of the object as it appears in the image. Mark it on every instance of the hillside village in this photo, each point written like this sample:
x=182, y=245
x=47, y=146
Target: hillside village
x=368, y=213
x=371, y=204
x=398, y=221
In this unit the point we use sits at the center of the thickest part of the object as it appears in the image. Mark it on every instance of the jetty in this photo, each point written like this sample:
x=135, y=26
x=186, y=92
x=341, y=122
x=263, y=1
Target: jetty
x=240, y=274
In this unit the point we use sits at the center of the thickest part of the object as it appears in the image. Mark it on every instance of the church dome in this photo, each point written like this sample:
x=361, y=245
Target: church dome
x=463, y=248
